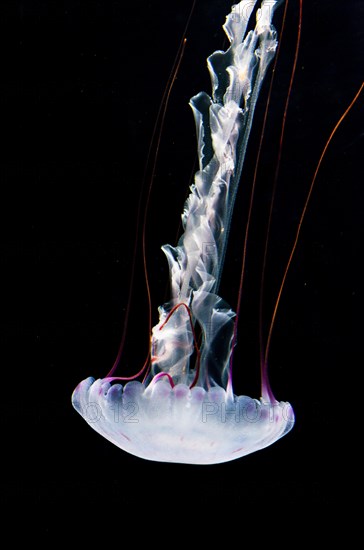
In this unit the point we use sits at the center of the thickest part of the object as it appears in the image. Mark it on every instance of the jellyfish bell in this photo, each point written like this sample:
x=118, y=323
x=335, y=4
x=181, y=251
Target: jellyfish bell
x=185, y=409
x=181, y=424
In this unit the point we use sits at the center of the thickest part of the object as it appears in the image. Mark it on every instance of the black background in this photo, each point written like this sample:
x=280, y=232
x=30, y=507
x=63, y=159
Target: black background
x=80, y=88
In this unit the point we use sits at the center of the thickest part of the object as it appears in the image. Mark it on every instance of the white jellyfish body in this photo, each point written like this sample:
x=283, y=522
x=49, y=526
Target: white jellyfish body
x=181, y=424
x=186, y=411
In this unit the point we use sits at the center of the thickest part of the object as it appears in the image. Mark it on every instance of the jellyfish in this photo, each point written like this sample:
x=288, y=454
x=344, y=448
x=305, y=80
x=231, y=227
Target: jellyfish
x=184, y=409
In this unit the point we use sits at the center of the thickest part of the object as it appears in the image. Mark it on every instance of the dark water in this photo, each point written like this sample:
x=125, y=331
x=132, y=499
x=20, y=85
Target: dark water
x=80, y=90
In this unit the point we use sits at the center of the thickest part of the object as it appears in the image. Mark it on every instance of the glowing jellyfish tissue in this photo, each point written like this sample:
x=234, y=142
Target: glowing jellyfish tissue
x=185, y=409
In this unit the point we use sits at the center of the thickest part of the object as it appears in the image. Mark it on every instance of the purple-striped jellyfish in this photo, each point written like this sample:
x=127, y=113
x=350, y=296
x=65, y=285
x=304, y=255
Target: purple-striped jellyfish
x=184, y=409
